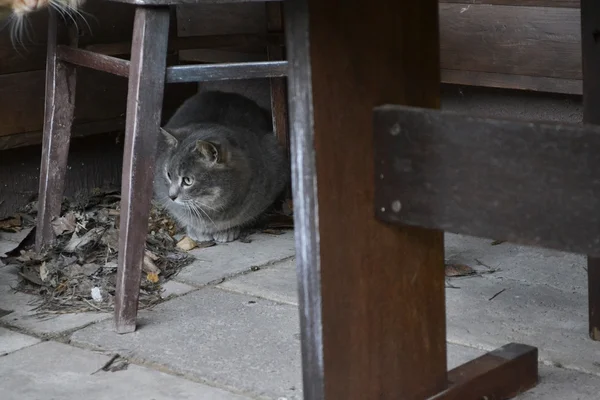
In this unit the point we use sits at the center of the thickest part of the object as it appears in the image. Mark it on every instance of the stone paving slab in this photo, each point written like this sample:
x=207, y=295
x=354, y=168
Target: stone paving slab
x=277, y=282
x=213, y=264
x=53, y=370
x=12, y=341
x=528, y=265
x=236, y=341
x=22, y=314
x=542, y=316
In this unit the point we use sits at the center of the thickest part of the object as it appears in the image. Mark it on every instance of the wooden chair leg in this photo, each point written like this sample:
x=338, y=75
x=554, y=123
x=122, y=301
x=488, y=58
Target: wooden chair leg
x=144, y=105
x=590, y=35
x=58, y=119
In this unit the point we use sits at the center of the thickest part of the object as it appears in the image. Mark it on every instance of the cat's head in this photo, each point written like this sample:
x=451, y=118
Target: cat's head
x=201, y=173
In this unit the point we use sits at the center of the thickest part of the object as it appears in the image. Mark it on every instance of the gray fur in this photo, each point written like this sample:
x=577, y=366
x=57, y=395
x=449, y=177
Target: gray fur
x=224, y=143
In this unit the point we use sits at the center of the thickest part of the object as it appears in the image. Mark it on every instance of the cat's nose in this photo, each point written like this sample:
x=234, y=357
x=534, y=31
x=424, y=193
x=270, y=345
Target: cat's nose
x=173, y=197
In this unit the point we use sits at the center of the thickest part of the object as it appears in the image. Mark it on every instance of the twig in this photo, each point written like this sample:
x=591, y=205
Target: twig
x=106, y=366
x=497, y=294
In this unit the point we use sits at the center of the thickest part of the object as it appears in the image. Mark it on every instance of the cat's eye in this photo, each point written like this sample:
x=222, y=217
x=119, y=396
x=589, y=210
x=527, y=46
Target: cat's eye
x=186, y=181
x=169, y=175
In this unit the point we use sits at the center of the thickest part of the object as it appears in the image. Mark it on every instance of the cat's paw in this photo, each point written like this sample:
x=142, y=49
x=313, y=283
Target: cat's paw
x=198, y=237
x=226, y=236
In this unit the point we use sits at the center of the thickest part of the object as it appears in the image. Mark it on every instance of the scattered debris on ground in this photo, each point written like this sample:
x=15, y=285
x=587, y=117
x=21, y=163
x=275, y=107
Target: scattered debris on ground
x=78, y=273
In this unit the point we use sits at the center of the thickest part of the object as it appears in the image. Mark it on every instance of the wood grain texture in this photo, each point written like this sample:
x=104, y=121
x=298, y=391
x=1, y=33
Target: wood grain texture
x=537, y=3
x=516, y=40
x=381, y=288
x=523, y=182
x=590, y=31
x=58, y=119
x=144, y=107
x=501, y=374
x=511, y=81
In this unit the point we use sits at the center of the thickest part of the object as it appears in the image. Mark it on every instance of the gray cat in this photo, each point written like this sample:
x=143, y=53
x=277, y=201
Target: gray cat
x=219, y=165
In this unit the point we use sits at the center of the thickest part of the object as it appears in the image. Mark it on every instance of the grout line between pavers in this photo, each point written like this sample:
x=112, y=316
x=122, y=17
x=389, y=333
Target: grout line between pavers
x=141, y=362
x=22, y=348
x=249, y=270
x=257, y=296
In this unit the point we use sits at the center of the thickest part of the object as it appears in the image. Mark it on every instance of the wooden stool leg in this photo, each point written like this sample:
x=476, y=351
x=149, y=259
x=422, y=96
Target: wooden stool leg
x=590, y=36
x=144, y=105
x=372, y=300
x=58, y=119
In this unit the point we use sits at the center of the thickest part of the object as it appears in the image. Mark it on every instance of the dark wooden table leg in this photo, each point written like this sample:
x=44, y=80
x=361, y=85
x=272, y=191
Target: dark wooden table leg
x=144, y=105
x=590, y=39
x=372, y=296
x=58, y=119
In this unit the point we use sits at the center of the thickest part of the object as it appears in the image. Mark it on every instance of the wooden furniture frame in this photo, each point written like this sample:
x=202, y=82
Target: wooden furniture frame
x=372, y=307
x=148, y=73
x=370, y=209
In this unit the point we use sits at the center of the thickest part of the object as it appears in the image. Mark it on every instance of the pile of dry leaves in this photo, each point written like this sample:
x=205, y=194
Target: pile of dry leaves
x=78, y=273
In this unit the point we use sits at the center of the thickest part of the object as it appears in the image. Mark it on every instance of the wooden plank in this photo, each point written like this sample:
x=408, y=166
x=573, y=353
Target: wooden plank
x=533, y=41
x=492, y=178
x=590, y=31
x=537, y=3
x=381, y=288
x=100, y=97
x=501, y=374
x=509, y=81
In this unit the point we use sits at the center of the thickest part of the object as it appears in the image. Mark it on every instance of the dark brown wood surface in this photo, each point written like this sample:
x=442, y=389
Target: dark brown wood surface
x=530, y=183
x=58, y=119
x=538, y=3
x=590, y=31
x=144, y=107
x=501, y=374
x=532, y=41
x=381, y=288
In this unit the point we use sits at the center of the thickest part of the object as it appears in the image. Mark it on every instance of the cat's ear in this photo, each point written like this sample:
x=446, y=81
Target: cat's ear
x=210, y=151
x=170, y=139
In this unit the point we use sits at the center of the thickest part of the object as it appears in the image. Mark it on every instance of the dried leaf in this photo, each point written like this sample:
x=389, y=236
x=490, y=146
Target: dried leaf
x=12, y=224
x=44, y=273
x=152, y=277
x=151, y=255
x=454, y=270
x=78, y=243
x=65, y=224
x=149, y=267
x=186, y=244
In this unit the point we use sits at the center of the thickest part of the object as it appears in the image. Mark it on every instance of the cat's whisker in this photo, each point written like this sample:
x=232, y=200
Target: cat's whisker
x=67, y=12
x=73, y=13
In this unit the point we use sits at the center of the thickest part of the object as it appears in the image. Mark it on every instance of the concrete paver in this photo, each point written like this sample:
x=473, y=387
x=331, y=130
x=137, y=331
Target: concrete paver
x=243, y=334
x=12, y=341
x=213, y=264
x=53, y=370
x=236, y=341
x=277, y=282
